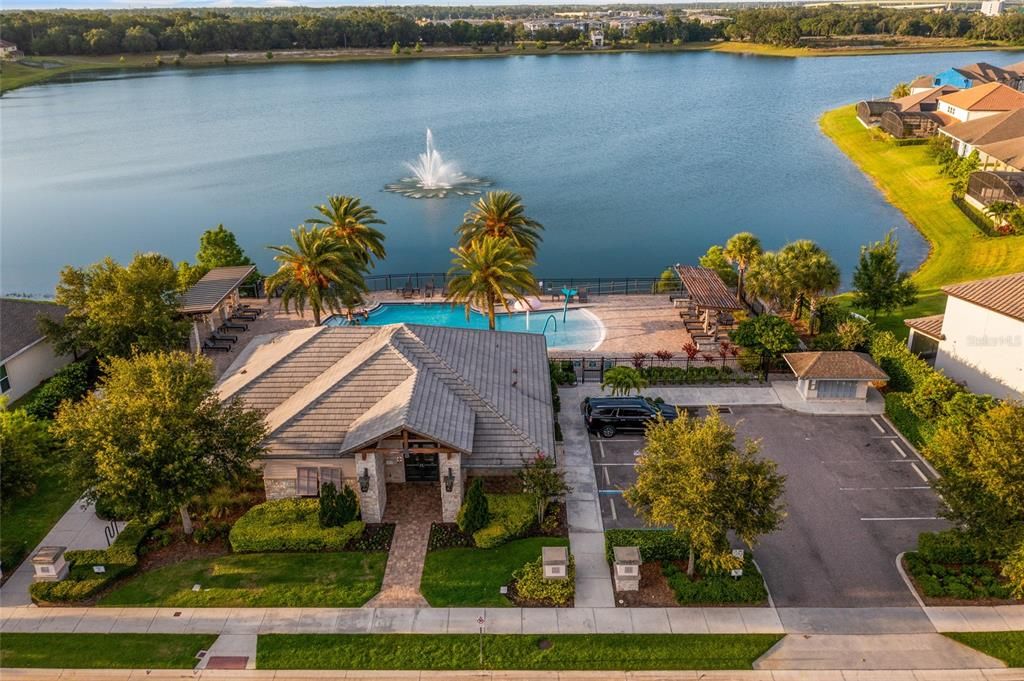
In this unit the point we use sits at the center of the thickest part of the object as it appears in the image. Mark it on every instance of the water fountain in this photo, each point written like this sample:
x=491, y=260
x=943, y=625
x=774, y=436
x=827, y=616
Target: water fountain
x=435, y=178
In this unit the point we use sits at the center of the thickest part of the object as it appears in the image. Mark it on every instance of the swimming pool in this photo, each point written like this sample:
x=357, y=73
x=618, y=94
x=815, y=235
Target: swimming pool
x=580, y=331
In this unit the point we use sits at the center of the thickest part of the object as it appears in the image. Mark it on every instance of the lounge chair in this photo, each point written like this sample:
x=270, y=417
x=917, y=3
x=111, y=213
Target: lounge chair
x=243, y=316
x=233, y=326
x=224, y=337
x=582, y=296
x=249, y=308
x=216, y=345
x=428, y=289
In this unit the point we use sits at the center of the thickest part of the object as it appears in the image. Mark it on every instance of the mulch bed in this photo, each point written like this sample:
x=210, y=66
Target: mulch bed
x=498, y=484
x=942, y=601
x=654, y=590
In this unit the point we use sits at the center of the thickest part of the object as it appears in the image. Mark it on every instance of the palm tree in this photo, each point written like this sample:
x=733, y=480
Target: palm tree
x=349, y=220
x=488, y=274
x=769, y=280
x=901, y=90
x=742, y=250
x=319, y=270
x=812, y=272
x=999, y=212
x=500, y=215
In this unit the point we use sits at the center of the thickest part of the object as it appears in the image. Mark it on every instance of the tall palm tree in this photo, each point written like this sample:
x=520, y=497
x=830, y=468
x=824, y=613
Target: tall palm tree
x=742, y=250
x=349, y=220
x=769, y=280
x=500, y=215
x=488, y=274
x=319, y=270
x=999, y=212
x=812, y=271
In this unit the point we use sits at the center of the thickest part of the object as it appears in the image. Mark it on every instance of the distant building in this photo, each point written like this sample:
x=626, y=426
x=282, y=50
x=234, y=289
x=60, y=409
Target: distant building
x=26, y=357
x=992, y=8
x=979, y=341
x=922, y=84
x=978, y=102
x=981, y=73
x=9, y=50
x=597, y=38
x=707, y=19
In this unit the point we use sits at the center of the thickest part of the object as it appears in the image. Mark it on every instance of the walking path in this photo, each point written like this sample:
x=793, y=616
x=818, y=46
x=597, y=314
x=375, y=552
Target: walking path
x=586, y=530
x=78, y=528
x=413, y=508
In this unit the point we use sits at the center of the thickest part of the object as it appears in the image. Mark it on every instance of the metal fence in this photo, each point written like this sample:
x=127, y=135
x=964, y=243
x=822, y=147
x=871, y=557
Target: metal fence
x=548, y=285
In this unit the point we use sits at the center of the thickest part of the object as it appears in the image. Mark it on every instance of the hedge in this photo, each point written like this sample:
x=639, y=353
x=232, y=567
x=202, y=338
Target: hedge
x=289, y=525
x=905, y=369
x=512, y=516
x=530, y=585
x=653, y=544
x=118, y=560
x=918, y=432
x=70, y=383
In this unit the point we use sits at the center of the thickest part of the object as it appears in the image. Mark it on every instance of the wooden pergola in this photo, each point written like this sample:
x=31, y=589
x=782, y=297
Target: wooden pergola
x=706, y=292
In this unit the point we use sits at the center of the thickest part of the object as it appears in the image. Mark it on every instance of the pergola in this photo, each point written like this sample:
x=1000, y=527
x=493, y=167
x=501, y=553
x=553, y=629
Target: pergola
x=210, y=300
x=707, y=292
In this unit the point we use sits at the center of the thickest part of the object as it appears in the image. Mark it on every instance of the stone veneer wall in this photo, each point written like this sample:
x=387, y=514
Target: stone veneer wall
x=279, y=488
x=451, y=501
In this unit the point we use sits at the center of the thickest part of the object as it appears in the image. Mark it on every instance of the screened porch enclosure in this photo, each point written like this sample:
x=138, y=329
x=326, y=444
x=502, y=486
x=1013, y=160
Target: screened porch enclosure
x=990, y=186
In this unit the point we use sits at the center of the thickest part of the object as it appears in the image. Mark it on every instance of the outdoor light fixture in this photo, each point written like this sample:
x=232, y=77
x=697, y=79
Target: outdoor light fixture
x=449, y=480
x=364, y=480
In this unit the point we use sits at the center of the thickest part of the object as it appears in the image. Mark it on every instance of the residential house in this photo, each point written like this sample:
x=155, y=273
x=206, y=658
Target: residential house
x=978, y=102
x=838, y=375
x=26, y=357
x=9, y=50
x=992, y=8
x=395, y=404
x=972, y=75
x=979, y=340
x=916, y=115
x=979, y=133
x=922, y=84
x=597, y=38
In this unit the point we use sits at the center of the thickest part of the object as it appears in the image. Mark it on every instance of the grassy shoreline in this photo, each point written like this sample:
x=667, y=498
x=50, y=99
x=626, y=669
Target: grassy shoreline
x=16, y=75
x=909, y=180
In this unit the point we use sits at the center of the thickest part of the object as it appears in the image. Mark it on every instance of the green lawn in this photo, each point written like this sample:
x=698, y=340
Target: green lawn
x=325, y=580
x=909, y=180
x=103, y=651
x=461, y=651
x=25, y=522
x=1007, y=646
x=472, y=577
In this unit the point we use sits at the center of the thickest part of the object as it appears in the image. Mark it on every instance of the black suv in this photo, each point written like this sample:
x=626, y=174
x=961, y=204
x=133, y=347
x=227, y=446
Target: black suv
x=608, y=415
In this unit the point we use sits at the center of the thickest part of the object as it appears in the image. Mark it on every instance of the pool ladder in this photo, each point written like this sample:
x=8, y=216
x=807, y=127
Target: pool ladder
x=551, y=318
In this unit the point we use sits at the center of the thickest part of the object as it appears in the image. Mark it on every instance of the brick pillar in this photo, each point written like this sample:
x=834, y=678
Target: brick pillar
x=375, y=498
x=451, y=501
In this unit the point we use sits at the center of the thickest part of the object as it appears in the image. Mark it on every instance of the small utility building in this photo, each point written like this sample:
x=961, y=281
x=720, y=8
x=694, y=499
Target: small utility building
x=839, y=375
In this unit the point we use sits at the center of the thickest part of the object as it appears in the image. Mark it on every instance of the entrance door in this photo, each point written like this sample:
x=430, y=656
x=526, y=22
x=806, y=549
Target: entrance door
x=421, y=468
x=837, y=389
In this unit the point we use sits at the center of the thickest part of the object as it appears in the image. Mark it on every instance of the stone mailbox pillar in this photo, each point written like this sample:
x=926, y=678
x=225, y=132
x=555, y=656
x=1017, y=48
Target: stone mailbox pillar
x=555, y=560
x=451, y=485
x=49, y=564
x=373, y=494
x=627, y=568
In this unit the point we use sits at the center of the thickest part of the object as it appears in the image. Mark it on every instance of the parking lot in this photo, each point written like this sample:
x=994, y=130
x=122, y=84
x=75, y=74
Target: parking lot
x=856, y=497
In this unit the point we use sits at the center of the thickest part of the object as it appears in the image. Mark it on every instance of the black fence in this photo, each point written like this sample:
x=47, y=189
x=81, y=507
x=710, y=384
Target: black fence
x=548, y=285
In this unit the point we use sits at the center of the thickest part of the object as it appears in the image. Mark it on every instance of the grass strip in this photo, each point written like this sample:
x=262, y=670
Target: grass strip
x=26, y=520
x=1007, y=646
x=511, y=651
x=468, y=577
x=910, y=181
x=272, y=580
x=103, y=651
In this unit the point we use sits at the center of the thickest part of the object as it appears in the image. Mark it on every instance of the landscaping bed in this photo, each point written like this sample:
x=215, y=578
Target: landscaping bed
x=521, y=652
x=103, y=651
x=947, y=570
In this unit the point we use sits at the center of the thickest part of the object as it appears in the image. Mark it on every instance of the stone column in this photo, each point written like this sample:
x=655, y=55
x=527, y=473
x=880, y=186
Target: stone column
x=375, y=498
x=451, y=501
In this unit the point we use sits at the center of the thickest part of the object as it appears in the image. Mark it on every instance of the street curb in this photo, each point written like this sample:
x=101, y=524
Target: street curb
x=910, y=585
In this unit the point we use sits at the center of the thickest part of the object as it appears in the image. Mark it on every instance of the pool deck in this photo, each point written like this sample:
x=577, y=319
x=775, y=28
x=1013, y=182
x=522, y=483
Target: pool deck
x=633, y=323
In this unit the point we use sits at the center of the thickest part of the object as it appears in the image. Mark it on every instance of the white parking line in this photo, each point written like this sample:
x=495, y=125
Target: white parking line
x=611, y=503
x=908, y=518
x=877, y=425
x=918, y=471
x=898, y=448
x=608, y=480
x=600, y=447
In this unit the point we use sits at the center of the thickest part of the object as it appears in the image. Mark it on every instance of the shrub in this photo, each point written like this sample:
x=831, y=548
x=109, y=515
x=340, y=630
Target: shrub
x=716, y=586
x=289, y=525
x=474, y=513
x=447, y=536
x=930, y=395
x=512, y=516
x=337, y=508
x=374, y=538
x=913, y=428
x=118, y=560
x=541, y=45
x=70, y=383
x=211, y=532
x=562, y=372
x=663, y=545
x=530, y=584
x=950, y=546
x=905, y=369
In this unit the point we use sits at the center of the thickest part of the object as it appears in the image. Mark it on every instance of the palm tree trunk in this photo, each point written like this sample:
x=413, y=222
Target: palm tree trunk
x=739, y=286
x=797, y=306
x=690, y=564
x=490, y=311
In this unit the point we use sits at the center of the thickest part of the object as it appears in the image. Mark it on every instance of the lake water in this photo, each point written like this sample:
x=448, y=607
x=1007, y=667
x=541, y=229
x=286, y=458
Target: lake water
x=631, y=161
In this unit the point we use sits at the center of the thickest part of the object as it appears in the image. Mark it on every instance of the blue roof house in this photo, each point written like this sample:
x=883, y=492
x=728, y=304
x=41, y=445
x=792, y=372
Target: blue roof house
x=955, y=78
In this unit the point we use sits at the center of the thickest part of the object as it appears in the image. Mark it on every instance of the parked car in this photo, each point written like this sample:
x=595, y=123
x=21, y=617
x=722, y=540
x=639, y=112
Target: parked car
x=608, y=415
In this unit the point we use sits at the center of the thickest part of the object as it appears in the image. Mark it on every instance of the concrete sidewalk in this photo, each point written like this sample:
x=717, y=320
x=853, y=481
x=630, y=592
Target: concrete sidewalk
x=718, y=675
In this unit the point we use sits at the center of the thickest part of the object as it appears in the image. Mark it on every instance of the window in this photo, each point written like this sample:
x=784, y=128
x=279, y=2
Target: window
x=332, y=475
x=5, y=383
x=306, y=482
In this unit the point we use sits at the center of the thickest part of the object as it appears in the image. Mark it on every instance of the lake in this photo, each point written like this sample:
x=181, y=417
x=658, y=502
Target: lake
x=631, y=161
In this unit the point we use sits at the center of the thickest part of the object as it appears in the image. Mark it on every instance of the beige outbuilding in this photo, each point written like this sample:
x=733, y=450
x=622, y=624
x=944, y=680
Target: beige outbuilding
x=834, y=375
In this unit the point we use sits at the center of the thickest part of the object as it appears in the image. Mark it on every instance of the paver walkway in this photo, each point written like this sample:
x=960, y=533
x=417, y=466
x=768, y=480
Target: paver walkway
x=78, y=528
x=413, y=508
x=586, y=531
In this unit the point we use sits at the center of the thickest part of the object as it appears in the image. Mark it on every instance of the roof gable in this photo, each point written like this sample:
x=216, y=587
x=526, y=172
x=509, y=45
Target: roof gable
x=987, y=97
x=834, y=365
x=1004, y=295
x=19, y=323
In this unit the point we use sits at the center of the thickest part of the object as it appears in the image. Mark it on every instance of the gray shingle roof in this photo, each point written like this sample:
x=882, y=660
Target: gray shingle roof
x=207, y=293
x=330, y=390
x=19, y=323
x=835, y=365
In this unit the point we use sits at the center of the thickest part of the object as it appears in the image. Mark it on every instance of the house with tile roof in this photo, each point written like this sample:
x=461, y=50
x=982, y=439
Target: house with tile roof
x=979, y=339
x=978, y=102
x=26, y=357
x=973, y=75
x=396, y=404
x=999, y=139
